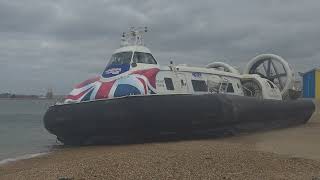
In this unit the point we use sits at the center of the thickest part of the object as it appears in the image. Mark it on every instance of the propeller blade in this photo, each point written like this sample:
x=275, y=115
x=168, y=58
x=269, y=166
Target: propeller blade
x=269, y=68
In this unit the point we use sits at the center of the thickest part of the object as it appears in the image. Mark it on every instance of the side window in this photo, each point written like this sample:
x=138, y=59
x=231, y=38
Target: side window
x=230, y=88
x=199, y=85
x=223, y=87
x=146, y=58
x=169, y=83
x=137, y=57
x=150, y=59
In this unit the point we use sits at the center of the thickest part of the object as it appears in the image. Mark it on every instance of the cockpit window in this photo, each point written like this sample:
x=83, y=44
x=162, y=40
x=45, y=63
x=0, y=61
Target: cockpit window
x=120, y=58
x=141, y=57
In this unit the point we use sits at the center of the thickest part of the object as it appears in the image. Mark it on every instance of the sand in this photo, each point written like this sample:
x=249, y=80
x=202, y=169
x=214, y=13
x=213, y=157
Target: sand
x=292, y=153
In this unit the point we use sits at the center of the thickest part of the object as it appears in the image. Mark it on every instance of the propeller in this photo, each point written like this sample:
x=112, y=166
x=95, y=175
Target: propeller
x=273, y=68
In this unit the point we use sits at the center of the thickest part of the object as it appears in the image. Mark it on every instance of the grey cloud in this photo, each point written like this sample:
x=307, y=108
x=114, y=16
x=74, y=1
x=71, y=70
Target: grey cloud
x=58, y=43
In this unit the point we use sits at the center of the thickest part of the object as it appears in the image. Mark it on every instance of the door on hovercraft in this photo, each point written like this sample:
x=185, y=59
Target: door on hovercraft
x=181, y=83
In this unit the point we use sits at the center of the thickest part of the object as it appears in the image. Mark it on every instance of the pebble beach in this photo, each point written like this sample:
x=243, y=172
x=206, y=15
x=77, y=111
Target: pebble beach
x=292, y=153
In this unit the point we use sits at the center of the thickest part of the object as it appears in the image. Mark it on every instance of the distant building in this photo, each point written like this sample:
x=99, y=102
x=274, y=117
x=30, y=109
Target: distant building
x=49, y=94
x=311, y=84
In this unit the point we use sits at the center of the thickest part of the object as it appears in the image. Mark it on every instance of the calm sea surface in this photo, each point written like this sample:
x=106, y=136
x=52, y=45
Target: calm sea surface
x=21, y=128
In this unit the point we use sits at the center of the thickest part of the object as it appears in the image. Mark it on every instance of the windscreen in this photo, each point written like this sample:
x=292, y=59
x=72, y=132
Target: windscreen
x=118, y=64
x=120, y=58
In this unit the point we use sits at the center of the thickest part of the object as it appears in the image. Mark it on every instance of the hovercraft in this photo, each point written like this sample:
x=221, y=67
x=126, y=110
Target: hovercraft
x=136, y=98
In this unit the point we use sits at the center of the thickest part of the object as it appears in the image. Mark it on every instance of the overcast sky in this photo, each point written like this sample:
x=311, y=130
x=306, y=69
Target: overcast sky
x=60, y=43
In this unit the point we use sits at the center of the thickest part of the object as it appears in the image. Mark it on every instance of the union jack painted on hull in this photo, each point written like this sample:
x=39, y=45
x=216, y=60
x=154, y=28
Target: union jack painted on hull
x=140, y=82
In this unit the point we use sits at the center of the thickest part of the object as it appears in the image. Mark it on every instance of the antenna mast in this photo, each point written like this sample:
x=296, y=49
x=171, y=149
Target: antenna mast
x=134, y=37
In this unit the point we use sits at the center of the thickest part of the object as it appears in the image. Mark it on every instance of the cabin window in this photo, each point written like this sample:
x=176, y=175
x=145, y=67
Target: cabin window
x=223, y=87
x=230, y=88
x=199, y=85
x=146, y=58
x=120, y=58
x=226, y=87
x=169, y=83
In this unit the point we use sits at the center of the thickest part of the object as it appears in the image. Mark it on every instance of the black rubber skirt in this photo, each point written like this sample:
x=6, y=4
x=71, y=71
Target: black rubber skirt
x=159, y=116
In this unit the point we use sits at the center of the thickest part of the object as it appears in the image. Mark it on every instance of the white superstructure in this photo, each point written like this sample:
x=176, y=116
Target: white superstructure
x=132, y=70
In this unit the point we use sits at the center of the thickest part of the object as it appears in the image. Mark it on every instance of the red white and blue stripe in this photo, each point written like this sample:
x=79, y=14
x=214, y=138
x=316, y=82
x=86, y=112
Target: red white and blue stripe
x=140, y=82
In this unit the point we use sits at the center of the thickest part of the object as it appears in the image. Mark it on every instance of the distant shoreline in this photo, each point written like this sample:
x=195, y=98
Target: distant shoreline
x=31, y=98
x=27, y=98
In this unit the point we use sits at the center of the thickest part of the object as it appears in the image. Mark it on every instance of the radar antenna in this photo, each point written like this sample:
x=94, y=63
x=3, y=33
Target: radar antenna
x=134, y=37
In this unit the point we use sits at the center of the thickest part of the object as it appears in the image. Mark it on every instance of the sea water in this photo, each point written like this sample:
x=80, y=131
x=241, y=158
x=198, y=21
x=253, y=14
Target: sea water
x=22, y=133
